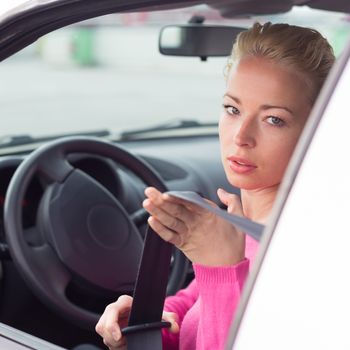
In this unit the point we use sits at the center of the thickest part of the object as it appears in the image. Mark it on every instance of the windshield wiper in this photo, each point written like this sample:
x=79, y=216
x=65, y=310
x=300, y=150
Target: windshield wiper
x=178, y=124
x=25, y=139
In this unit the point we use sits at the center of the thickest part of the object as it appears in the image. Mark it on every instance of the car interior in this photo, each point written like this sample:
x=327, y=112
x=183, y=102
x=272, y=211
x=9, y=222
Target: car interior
x=74, y=161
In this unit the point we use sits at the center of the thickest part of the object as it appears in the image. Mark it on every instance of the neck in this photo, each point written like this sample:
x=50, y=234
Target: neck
x=257, y=203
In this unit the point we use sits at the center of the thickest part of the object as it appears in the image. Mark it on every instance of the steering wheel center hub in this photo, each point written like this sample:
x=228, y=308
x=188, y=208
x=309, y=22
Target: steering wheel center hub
x=108, y=227
x=90, y=230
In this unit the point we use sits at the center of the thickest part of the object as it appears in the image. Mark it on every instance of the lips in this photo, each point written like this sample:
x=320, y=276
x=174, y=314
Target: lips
x=241, y=165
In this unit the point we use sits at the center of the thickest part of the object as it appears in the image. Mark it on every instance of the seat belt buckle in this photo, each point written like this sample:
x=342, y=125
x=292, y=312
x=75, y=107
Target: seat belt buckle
x=144, y=327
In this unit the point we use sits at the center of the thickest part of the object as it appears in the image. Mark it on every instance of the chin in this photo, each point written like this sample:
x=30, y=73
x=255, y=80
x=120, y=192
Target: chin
x=243, y=184
x=249, y=183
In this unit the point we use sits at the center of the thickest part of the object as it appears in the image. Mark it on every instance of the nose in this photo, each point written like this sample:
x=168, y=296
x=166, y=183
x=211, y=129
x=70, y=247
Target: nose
x=245, y=135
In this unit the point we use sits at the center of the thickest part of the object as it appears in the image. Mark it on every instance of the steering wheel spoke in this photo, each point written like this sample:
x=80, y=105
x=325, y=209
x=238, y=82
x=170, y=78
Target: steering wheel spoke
x=139, y=217
x=45, y=263
x=33, y=237
x=54, y=167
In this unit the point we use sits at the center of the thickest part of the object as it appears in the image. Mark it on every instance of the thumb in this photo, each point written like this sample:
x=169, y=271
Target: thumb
x=173, y=318
x=232, y=201
x=223, y=196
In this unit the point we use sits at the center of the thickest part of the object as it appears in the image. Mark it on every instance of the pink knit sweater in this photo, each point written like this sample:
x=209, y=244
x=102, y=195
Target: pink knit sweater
x=206, y=307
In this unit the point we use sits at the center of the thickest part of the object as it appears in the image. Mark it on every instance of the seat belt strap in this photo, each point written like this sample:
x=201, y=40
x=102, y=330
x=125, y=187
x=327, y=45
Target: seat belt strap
x=249, y=227
x=149, y=340
x=144, y=325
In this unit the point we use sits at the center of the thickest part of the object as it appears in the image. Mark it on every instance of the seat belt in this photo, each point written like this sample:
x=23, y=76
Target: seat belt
x=145, y=320
x=144, y=324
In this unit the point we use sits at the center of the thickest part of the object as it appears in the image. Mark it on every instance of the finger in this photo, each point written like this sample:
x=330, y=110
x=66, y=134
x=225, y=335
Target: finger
x=109, y=328
x=157, y=197
x=166, y=219
x=110, y=338
x=120, y=345
x=232, y=201
x=165, y=233
x=180, y=201
x=192, y=207
x=173, y=319
x=177, y=207
x=177, y=210
x=223, y=196
x=119, y=311
x=152, y=193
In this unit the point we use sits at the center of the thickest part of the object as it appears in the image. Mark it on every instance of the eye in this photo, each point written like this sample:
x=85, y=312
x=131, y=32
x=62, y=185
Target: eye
x=231, y=110
x=275, y=121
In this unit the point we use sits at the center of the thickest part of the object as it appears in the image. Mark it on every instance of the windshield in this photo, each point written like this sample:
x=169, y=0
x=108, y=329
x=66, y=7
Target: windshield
x=107, y=74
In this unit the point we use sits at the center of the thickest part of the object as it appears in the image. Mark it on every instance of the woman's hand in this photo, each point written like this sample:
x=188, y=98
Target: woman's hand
x=202, y=236
x=115, y=318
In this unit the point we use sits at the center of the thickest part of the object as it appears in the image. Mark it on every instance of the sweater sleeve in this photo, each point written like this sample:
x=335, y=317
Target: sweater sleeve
x=219, y=293
x=180, y=303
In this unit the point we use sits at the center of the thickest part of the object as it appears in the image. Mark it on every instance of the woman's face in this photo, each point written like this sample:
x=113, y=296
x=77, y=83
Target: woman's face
x=264, y=110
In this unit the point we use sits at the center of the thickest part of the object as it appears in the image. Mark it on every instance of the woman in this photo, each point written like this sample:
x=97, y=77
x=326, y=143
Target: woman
x=274, y=75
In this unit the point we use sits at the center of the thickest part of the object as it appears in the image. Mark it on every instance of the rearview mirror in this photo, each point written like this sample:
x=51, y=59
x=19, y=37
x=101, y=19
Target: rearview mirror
x=197, y=40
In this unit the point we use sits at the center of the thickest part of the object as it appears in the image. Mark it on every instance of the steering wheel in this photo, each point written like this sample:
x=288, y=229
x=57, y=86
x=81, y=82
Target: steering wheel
x=85, y=230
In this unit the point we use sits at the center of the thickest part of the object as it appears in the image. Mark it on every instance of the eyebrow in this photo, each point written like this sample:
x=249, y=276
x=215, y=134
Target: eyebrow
x=264, y=107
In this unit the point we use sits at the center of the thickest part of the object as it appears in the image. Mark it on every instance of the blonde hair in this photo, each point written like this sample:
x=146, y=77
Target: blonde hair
x=302, y=49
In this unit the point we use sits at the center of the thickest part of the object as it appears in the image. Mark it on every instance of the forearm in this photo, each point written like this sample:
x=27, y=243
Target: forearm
x=180, y=303
x=219, y=292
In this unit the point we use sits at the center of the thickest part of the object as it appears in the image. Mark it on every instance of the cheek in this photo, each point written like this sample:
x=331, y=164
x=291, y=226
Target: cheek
x=226, y=129
x=221, y=125
x=224, y=134
x=280, y=156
